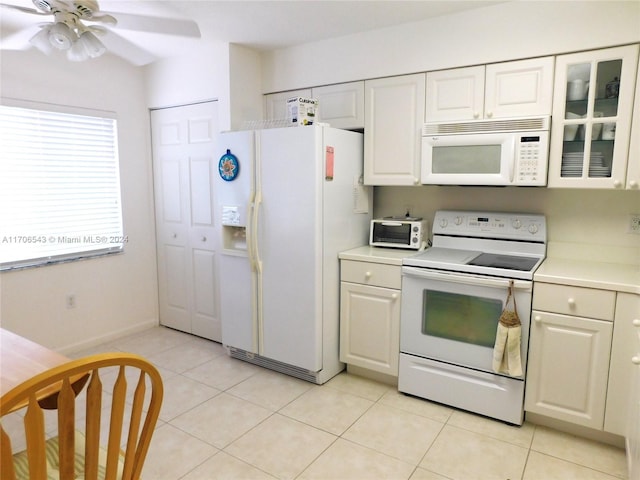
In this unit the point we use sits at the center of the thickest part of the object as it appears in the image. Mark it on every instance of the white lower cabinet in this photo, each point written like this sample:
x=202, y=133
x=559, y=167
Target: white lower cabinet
x=568, y=366
x=625, y=350
x=370, y=316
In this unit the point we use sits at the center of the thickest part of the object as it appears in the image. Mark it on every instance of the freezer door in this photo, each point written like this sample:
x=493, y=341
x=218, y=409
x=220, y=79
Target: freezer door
x=236, y=193
x=289, y=170
x=233, y=206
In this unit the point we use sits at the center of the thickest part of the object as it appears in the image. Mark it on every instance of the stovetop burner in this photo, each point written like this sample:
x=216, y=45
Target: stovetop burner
x=508, y=262
x=500, y=244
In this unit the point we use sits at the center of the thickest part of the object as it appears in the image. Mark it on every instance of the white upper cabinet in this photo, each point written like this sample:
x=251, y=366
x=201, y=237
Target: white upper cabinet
x=592, y=108
x=394, y=114
x=500, y=90
x=633, y=167
x=275, y=104
x=341, y=105
x=516, y=89
x=456, y=94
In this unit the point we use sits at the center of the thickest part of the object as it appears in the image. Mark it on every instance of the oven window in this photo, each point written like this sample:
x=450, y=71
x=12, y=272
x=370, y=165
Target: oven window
x=463, y=318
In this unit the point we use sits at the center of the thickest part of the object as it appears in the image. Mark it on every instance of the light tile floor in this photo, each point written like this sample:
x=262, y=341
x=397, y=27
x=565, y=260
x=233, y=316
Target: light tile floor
x=224, y=418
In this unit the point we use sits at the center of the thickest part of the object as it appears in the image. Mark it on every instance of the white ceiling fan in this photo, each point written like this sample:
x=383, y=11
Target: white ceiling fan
x=77, y=24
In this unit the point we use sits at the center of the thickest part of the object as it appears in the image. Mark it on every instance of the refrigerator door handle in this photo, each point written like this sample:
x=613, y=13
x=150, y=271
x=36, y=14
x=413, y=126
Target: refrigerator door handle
x=256, y=263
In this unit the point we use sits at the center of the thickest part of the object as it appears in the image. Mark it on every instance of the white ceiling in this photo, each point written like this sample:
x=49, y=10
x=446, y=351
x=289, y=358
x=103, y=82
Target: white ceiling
x=262, y=25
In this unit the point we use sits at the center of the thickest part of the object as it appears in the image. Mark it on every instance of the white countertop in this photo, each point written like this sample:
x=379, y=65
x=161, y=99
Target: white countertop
x=580, y=273
x=389, y=256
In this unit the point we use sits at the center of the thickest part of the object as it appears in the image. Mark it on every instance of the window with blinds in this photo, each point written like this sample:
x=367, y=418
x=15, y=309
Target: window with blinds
x=59, y=185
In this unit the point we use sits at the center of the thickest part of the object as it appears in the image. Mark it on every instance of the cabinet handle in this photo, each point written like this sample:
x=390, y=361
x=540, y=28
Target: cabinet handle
x=635, y=360
x=175, y=235
x=489, y=114
x=636, y=322
x=367, y=275
x=394, y=296
x=204, y=239
x=476, y=115
x=537, y=318
x=617, y=183
x=633, y=184
x=571, y=302
x=416, y=180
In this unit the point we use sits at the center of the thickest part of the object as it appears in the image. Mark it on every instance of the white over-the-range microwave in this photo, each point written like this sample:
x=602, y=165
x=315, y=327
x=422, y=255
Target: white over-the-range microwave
x=486, y=152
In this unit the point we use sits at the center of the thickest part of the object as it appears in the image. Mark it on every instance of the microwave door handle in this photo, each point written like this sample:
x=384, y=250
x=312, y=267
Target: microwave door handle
x=391, y=224
x=464, y=279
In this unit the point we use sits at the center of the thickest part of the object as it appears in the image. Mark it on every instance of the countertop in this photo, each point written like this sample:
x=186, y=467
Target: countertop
x=580, y=273
x=389, y=256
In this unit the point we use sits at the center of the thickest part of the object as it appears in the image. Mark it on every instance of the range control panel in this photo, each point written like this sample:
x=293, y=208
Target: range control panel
x=512, y=226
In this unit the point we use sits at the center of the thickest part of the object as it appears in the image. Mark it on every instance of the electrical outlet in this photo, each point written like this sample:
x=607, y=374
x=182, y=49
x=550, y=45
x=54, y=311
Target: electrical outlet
x=71, y=301
x=634, y=223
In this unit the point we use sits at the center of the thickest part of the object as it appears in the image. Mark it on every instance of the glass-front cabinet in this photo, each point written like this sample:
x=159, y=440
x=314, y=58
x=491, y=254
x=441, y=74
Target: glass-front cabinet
x=592, y=108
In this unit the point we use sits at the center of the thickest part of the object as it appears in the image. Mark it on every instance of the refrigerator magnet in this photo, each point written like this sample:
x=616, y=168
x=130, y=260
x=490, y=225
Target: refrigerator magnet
x=328, y=164
x=228, y=166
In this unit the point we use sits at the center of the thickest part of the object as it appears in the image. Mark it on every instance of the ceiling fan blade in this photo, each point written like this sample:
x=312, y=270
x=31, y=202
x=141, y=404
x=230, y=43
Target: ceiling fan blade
x=23, y=9
x=145, y=23
x=19, y=40
x=123, y=48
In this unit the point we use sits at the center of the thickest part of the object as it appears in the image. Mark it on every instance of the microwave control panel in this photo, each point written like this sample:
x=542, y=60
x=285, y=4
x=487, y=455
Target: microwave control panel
x=532, y=152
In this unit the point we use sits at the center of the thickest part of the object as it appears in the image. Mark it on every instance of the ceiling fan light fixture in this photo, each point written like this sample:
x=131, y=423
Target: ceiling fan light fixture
x=41, y=40
x=61, y=36
x=91, y=44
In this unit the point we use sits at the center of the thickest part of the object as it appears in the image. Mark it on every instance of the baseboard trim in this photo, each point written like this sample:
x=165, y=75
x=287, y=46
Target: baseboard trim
x=113, y=335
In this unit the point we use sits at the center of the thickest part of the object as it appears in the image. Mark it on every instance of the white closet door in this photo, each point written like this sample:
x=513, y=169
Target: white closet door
x=185, y=159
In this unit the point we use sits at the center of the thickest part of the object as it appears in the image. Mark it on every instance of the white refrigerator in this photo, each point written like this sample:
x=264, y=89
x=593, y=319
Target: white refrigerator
x=289, y=199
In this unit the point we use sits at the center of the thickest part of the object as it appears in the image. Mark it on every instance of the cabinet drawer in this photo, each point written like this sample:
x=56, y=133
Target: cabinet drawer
x=377, y=274
x=584, y=302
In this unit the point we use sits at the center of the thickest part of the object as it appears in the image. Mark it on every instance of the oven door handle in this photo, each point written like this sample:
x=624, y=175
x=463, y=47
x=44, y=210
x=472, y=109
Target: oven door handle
x=468, y=279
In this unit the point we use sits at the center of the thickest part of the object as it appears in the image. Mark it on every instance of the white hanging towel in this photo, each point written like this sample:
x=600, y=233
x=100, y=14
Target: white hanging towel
x=506, y=352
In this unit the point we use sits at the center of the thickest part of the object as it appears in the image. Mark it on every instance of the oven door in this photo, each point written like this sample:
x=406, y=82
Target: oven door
x=453, y=317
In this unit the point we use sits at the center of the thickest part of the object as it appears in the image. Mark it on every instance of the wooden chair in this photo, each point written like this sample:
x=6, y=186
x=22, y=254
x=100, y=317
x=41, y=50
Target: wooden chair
x=75, y=451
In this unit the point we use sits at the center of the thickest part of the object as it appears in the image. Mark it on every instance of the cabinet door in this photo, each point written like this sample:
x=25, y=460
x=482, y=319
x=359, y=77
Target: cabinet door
x=592, y=108
x=633, y=168
x=394, y=114
x=456, y=94
x=275, y=104
x=342, y=105
x=520, y=88
x=370, y=327
x=626, y=333
x=568, y=367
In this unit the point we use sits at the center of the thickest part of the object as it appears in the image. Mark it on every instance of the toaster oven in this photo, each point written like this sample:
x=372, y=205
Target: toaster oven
x=399, y=232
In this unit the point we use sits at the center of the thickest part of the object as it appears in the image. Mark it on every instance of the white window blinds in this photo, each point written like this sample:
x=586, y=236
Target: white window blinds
x=59, y=186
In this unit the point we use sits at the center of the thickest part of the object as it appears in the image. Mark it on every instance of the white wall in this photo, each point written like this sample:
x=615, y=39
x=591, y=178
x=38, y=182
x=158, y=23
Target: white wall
x=507, y=31
x=114, y=294
x=591, y=223
x=228, y=73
